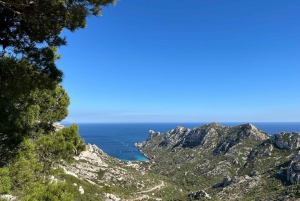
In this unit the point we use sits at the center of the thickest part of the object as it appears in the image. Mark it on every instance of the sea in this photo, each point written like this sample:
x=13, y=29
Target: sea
x=117, y=139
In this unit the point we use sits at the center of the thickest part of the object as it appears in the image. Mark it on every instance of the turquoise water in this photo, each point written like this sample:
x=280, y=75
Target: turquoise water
x=117, y=139
x=138, y=157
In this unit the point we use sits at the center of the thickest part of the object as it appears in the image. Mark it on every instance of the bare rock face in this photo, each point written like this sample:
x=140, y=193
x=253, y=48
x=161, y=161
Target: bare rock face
x=175, y=136
x=93, y=155
x=233, y=188
x=8, y=197
x=112, y=197
x=233, y=136
x=92, y=162
x=139, y=144
x=57, y=126
x=293, y=170
x=227, y=181
x=249, y=130
x=199, y=194
x=152, y=134
x=203, y=135
x=285, y=140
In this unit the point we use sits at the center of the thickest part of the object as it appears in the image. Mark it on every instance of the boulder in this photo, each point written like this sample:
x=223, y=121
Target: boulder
x=81, y=190
x=199, y=194
x=8, y=197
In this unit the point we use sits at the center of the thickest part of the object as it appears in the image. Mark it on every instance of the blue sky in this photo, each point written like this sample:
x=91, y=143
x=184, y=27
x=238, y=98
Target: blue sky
x=186, y=61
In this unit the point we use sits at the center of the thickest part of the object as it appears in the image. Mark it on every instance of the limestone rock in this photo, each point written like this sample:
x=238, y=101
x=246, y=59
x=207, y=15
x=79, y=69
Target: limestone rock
x=234, y=136
x=293, y=170
x=112, y=197
x=139, y=144
x=175, y=136
x=87, y=164
x=235, y=161
x=285, y=140
x=203, y=135
x=53, y=180
x=81, y=190
x=227, y=181
x=93, y=155
x=58, y=126
x=199, y=194
x=152, y=134
x=8, y=197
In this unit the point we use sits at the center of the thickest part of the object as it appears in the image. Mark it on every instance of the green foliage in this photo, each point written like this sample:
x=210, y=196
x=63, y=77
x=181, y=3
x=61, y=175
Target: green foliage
x=107, y=189
x=25, y=169
x=31, y=99
x=41, y=21
x=5, y=182
x=91, y=192
x=63, y=144
x=32, y=28
x=52, y=191
x=32, y=165
x=28, y=107
x=19, y=77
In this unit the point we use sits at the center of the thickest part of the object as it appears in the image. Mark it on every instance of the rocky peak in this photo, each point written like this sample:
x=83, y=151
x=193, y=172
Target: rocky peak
x=178, y=130
x=214, y=135
x=175, y=136
x=201, y=135
x=249, y=130
x=248, y=126
x=215, y=124
x=235, y=135
x=152, y=134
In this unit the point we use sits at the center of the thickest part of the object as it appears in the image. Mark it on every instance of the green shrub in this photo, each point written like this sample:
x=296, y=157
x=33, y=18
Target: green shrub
x=5, y=182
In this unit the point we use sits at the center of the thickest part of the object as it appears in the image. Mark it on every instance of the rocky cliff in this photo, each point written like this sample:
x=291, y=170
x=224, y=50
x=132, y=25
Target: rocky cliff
x=227, y=162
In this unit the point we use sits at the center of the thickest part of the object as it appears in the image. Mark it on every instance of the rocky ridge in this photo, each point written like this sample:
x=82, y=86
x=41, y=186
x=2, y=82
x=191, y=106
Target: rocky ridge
x=226, y=162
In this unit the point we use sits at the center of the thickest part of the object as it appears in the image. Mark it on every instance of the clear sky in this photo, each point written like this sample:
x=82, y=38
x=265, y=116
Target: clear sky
x=186, y=61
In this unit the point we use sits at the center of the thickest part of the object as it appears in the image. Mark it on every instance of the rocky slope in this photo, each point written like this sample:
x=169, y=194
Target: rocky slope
x=115, y=179
x=227, y=162
x=209, y=162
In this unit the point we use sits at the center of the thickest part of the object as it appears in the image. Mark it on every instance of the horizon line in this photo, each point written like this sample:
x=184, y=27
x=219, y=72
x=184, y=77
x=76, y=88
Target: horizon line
x=179, y=122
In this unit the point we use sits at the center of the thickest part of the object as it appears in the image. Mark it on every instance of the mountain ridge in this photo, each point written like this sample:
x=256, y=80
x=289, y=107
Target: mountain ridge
x=216, y=157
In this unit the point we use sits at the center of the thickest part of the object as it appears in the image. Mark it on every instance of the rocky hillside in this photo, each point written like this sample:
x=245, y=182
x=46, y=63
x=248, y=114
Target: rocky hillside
x=110, y=178
x=210, y=162
x=226, y=162
x=94, y=175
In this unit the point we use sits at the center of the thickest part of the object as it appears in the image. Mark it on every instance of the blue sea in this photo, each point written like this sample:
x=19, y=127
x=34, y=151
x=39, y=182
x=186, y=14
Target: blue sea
x=117, y=139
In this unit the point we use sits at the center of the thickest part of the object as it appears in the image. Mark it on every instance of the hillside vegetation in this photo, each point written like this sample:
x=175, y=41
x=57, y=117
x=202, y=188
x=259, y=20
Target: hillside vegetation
x=208, y=162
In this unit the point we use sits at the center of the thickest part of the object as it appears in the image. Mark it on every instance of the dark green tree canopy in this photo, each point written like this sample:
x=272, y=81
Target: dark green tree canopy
x=31, y=28
x=31, y=96
x=24, y=23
